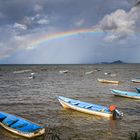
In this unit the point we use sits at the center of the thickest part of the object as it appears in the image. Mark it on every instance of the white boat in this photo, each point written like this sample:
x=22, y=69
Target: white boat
x=94, y=109
x=32, y=76
x=108, y=81
x=21, y=71
x=63, y=71
x=136, y=80
x=88, y=72
x=107, y=73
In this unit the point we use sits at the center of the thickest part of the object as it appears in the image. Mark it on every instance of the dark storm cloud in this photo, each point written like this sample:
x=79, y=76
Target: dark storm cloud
x=63, y=14
x=67, y=11
x=15, y=10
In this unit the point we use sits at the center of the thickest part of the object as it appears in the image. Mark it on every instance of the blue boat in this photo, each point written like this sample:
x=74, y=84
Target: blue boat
x=89, y=108
x=20, y=126
x=138, y=90
x=128, y=94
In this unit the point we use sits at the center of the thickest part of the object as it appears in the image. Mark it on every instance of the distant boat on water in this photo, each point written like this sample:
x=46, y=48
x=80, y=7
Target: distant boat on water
x=20, y=126
x=128, y=94
x=108, y=81
x=94, y=109
x=136, y=80
x=63, y=71
x=107, y=73
x=88, y=72
x=21, y=71
x=32, y=76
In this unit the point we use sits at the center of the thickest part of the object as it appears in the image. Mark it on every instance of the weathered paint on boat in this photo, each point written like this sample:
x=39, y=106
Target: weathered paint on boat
x=20, y=126
x=127, y=94
x=108, y=81
x=84, y=107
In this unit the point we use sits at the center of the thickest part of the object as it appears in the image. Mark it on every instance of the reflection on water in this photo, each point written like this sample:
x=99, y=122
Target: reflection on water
x=35, y=99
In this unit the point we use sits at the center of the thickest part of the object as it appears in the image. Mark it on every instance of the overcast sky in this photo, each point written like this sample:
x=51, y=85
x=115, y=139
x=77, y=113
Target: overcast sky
x=24, y=21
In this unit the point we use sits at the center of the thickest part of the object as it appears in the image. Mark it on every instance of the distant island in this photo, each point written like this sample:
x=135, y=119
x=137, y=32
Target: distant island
x=114, y=62
x=118, y=62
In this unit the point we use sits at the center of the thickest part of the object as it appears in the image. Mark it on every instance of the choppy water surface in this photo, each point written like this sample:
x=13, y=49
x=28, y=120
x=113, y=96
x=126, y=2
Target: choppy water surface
x=35, y=99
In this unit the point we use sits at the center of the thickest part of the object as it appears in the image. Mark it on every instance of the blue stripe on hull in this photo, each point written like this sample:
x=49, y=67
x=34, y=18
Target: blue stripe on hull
x=125, y=93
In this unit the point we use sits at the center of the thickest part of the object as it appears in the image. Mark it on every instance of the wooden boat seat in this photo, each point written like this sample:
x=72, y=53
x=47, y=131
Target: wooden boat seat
x=73, y=103
x=88, y=106
x=19, y=124
x=9, y=120
x=2, y=117
x=30, y=128
x=81, y=105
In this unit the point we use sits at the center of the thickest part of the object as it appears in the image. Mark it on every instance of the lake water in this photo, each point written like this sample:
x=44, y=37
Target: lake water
x=35, y=99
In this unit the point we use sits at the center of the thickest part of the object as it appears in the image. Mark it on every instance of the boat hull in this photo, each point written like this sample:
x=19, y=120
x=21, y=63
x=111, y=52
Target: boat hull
x=108, y=81
x=84, y=110
x=126, y=94
x=135, y=80
x=31, y=135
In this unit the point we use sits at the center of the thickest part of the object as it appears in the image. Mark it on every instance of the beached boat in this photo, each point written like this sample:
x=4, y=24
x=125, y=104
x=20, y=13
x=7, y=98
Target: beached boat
x=136, y=80
x=94, y=109
x=20, y=126
x=108, y=81
x=128, y=94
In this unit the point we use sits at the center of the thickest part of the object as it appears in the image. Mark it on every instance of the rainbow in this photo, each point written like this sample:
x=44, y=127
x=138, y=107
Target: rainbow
x=43, y=39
